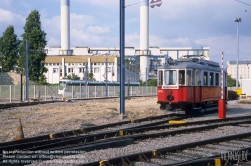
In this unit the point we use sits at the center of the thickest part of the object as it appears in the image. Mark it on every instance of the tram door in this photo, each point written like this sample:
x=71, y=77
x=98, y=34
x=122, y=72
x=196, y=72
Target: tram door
x=197, y=86
x=190, y=85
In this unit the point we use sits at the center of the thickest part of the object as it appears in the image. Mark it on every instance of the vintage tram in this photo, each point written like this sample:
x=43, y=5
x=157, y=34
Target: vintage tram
x=190, y=84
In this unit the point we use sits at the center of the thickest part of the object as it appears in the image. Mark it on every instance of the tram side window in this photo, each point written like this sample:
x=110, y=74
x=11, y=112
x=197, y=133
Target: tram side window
x=211, y=79
x=181, y=77
x=189, y=78
x=216, y=79
x=170, y=77
x=197, y=78
x=205, y=78
x=160, y=77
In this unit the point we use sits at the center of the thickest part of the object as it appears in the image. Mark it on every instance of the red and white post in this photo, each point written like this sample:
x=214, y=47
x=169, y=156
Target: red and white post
x=222, y=102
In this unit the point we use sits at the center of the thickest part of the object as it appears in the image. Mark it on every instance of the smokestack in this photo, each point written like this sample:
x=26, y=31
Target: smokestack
x=65, y=28
x=144, y=39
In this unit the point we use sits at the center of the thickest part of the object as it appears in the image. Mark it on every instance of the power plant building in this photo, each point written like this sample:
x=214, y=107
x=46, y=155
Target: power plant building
x=141, y=63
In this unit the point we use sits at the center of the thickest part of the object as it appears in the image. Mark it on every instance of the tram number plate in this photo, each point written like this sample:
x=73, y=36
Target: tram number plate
x=170, y=87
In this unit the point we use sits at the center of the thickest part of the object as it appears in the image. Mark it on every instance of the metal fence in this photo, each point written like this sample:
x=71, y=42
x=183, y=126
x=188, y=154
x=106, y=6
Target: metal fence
x=12, y=93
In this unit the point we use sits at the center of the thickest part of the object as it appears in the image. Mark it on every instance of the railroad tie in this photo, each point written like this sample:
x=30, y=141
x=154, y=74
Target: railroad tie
x=20, y=133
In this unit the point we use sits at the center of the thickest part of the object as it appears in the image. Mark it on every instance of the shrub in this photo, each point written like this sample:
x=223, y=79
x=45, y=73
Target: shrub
x=232, y=95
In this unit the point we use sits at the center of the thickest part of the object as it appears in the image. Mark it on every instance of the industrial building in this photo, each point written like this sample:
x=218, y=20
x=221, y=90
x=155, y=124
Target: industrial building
x=141, y=62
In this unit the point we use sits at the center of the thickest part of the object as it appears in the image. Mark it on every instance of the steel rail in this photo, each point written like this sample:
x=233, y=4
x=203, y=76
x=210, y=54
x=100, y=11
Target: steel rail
x=127, y=160
x=29, y=142
x=85, y=139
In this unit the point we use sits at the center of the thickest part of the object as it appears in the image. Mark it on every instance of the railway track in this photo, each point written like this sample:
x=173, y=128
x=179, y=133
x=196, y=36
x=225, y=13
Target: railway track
x=157, y=120
x=115, y=138
x=22, y=104
x=12, y=105
x=206, y=152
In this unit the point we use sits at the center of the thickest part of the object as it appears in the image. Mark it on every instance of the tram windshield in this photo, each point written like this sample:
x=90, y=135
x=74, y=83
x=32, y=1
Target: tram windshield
x=170, y=77
x=62, y=84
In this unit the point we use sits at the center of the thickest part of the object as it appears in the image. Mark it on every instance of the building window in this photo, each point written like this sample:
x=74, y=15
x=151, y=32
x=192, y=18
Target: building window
x=96, y=70
x=70, y=70
x=81, y=70
x=55, y=70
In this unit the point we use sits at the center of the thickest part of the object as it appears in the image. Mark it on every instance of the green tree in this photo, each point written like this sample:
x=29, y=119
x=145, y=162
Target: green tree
x=9, y=45
x=73, y=77
x=91, y=77
x=230, y=81
x=152, y=82
x=36, y=41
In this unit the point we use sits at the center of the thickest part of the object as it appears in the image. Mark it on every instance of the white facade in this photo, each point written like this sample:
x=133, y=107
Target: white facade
x=62, y=66
x=244, y=70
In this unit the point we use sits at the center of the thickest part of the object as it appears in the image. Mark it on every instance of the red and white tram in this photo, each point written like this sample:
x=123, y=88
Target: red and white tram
x=190, y=84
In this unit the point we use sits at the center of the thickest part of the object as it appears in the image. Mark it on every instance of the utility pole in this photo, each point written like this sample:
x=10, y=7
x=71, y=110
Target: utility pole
x=27, y=71
x=106, y=87
x=238, y=20
x=122, y=61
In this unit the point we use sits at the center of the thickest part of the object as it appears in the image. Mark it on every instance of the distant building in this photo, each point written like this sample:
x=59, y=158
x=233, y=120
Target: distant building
x=59, y=66
x=244, y=70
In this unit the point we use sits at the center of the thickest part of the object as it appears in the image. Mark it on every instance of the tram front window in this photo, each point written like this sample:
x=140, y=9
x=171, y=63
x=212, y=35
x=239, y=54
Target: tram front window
x=170, y=77
x=62, y=84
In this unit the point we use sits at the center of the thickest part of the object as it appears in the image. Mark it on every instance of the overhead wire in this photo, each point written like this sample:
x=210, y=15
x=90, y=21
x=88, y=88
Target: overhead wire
x=243, y=3
x=134, y=4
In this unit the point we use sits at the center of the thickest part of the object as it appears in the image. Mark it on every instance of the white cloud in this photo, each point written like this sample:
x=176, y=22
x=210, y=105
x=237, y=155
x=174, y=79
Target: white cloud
x=98, y=29
x=81, y=21
x=228, y=45
x=9, y=17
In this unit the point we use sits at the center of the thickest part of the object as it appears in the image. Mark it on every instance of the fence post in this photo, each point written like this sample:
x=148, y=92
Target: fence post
x=24, y=91
x=95, y=92
x=72, y=92
x=88, y=91
x=108, y=91
x=80, y=96
x=10, y=93
x=34, y=91
x=102, y=91
x=142, y=91
x=45, y=94
x=14, y=92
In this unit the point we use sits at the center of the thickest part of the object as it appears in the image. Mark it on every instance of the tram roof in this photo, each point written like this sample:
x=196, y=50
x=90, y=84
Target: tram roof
x=191, y=65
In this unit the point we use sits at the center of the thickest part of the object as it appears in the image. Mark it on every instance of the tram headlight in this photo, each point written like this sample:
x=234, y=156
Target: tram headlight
x=170, y=97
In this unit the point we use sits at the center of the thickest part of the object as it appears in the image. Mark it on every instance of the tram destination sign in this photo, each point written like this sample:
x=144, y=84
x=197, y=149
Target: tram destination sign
x=154, y=3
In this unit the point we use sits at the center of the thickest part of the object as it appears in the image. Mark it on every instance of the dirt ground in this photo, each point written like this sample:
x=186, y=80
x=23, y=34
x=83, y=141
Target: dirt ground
x=57, y=117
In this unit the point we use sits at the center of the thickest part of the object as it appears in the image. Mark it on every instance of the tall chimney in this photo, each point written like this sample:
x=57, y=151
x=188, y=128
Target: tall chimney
x=144, y=40
x=65, y=28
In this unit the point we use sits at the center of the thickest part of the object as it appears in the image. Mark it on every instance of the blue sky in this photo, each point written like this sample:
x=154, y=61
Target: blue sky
x=177, y=23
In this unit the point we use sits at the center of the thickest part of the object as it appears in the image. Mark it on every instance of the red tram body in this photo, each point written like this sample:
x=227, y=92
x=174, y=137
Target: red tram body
x=190, y=84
